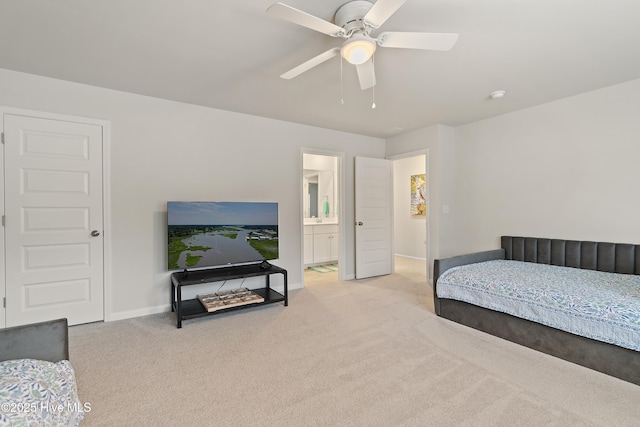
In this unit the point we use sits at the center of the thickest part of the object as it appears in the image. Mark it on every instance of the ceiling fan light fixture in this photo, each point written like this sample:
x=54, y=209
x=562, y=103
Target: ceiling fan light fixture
x=358, y=49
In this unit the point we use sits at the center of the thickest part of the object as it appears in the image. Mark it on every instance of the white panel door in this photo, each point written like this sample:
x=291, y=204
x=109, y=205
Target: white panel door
x=373, y=192
x=54, y=216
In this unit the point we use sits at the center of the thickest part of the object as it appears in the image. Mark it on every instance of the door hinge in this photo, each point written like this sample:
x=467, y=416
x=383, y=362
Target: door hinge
x=3, y=137
x=4, y=302
x=3, y=220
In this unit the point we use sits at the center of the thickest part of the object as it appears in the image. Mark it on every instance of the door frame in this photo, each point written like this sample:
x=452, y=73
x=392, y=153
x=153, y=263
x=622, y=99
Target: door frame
x=416, y=153
x=106, y=199
x=341, y=197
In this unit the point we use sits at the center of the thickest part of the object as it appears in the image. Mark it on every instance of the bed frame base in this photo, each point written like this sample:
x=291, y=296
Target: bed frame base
x=607, y=358
x=610, y=359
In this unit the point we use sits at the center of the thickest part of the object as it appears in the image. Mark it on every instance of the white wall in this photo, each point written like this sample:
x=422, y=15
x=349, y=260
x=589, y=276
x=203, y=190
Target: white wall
x=439, y=141
x=409, y=231
x=163, y=150
x=569, y=169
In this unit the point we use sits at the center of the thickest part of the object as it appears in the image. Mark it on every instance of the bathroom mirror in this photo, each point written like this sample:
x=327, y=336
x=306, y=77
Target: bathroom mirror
x=313, y=200
x=320, y=187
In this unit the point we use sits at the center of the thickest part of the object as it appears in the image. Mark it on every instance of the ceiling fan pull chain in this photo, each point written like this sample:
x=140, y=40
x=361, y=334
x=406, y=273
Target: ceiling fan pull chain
x=341, y=90
x=373, y=88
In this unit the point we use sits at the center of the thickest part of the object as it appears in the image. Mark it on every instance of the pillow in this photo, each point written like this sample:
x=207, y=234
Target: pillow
x=36, y=392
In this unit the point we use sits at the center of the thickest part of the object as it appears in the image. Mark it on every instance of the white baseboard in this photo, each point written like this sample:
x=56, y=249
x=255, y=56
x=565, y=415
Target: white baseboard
x=291, y=287
x=411, y=257
x=121, y=315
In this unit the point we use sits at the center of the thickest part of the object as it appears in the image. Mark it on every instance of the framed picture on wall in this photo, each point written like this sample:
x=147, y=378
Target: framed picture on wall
x=418, y=195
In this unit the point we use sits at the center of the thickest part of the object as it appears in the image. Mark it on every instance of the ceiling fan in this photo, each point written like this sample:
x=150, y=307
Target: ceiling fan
x=355, y=22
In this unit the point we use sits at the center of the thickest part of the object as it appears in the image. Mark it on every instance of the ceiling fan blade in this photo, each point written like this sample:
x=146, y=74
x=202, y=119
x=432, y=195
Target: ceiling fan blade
x=427, y=41
x=305, y=66
x=299, y=17
x=381, y=11
x=366, y=75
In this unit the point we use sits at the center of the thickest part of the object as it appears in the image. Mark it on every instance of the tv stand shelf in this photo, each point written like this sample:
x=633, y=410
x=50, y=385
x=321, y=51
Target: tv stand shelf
x=193, y=308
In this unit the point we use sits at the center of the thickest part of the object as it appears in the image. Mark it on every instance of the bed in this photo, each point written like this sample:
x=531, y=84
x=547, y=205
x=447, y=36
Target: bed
x=37, y=382
x=568, y=263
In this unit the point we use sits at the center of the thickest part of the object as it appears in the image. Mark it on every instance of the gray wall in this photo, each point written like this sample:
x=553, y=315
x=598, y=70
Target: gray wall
x=567, y=169
x=163, y=150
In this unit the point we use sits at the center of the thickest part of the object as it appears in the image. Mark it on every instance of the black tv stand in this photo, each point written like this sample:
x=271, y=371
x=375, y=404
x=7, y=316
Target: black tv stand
x=265, y=265
x=193, y=308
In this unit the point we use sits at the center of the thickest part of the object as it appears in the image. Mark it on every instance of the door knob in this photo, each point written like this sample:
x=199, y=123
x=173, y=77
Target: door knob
x=359, y=223
x=95, y=233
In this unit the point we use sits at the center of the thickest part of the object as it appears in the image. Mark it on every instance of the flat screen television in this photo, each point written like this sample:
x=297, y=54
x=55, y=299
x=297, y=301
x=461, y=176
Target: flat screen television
x=216, y=234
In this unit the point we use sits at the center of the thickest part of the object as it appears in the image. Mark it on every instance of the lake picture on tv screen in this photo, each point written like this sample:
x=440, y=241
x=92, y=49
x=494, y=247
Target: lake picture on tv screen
x=205, y=234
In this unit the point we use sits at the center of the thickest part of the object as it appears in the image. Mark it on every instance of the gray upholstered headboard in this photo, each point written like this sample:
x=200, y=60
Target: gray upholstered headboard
x=610, y=257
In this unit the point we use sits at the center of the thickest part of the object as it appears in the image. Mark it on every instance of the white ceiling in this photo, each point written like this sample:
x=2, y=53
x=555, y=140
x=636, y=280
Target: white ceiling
x=229, y=54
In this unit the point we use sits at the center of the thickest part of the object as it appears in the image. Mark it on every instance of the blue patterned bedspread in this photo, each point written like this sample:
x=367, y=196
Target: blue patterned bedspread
x=594, y=304
x=39, y=393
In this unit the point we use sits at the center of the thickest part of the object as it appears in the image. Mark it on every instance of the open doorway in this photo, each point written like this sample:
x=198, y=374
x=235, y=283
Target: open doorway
x=322, y=224
x=411, y=213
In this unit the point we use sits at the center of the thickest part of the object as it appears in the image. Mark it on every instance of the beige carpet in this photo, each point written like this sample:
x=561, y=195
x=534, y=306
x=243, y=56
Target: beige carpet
x=359, y=353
